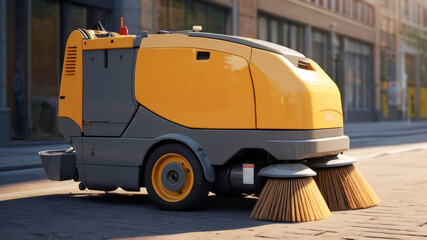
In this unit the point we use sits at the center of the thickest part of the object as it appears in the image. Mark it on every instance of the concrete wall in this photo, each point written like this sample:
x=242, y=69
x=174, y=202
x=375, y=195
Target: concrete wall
x=4, y=110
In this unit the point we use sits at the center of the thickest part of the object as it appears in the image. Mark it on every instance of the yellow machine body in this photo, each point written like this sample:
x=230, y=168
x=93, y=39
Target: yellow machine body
x=71, y=91
x=71, y=104
x=238, y=87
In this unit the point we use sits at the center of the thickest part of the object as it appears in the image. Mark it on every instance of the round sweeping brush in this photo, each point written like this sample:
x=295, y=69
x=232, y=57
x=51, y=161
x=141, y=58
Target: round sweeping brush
x=295, y=198
x=345, y=188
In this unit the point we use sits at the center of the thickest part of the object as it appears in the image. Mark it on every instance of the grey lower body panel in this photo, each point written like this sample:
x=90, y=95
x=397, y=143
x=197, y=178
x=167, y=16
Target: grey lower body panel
x=104, y=162
x=109, y=129
x=311, y=148
x=111, y=176
x=221, y=145
x=110, y=162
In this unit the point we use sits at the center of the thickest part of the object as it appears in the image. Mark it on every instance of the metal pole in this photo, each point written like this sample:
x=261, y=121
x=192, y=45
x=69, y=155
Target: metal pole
x=235, y=18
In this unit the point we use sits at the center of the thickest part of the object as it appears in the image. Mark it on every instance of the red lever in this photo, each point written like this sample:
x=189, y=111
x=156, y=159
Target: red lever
x=123, y=29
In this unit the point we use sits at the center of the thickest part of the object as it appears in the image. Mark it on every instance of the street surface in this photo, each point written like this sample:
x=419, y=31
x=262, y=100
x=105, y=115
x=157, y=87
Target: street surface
x=32, y=207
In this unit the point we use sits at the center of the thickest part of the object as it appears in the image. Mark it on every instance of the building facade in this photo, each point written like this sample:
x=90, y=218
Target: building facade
x=392, y=107
x=362, y=44
x=412, y=57
x=37, y=31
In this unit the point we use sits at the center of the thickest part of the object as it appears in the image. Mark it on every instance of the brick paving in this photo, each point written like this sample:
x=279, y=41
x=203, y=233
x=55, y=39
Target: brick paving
x=44, y=209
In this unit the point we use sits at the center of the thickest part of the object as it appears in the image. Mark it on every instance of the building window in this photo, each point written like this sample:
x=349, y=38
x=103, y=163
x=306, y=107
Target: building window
x=359, y=10
x=356, y=9
x=410, y=74
x=406, y=8
x=384, y=24
x=387, y=4
x=281, y=31
x=320, y=49
x=425, y=16
x=349, y=8
x=391, y=26
x=358, y=75
x=332, y=5
x=341, y=6
x=423, y=90
x=274, y=31
x=365, y=13
x=263, y=28
x=184, y=14
x=44, y=63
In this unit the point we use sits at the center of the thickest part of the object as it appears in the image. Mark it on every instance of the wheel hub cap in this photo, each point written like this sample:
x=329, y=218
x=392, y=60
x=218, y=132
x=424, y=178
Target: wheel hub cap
x=173, y=176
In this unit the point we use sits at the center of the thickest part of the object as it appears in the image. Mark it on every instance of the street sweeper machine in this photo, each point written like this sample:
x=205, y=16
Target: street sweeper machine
x=187, y=112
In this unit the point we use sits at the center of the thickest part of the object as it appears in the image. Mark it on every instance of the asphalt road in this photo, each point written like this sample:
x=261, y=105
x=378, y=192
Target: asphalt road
x=32, y=207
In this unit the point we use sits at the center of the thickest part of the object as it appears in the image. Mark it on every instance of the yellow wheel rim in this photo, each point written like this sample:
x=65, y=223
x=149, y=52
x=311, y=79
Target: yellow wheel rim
x=156, y=178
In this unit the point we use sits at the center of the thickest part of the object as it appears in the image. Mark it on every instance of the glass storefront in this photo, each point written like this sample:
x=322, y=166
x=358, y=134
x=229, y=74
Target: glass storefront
x=423, y=90
x=17, y=52
x=184, y=14
x=34, y=76
x=410, y=74
x=390, y=94
x=44, y=68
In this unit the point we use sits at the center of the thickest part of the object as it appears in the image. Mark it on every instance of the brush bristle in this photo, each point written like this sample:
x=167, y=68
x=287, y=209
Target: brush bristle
x=345, y=188
x=291, y=200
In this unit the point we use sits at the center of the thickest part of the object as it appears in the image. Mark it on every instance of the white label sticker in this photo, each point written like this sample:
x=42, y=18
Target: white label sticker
x=248, y=174
x=328, y=117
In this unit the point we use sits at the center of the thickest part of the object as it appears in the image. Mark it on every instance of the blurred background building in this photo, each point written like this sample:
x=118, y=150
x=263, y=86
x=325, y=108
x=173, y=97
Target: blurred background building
x=375, y=50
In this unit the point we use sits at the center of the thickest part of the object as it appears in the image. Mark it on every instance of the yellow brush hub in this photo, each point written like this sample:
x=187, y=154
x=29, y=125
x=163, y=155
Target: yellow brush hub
x=156, y=178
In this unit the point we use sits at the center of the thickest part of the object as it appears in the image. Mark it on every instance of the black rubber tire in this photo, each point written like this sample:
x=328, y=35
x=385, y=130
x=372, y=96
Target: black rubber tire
x=200, y=189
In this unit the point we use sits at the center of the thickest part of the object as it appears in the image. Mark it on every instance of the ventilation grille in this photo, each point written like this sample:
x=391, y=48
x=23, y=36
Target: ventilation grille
x=70, y=61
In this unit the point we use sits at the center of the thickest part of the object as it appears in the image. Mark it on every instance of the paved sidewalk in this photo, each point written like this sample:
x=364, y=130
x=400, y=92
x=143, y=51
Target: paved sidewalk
x=385, y=133
x=391, y=129
x=23, y=155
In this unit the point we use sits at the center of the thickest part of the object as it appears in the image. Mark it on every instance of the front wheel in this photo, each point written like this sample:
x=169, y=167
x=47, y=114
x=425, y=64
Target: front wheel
x=174, y=178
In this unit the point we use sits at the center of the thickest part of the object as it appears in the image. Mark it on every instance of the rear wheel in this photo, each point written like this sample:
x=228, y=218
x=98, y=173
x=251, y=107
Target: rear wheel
x=174, y=178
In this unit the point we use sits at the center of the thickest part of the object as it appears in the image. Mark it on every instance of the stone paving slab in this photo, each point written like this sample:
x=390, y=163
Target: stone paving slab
x=46, y=209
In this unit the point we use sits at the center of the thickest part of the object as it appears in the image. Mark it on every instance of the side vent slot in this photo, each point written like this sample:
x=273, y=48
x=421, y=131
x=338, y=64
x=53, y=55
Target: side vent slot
x=203, y=55
x=70, y=61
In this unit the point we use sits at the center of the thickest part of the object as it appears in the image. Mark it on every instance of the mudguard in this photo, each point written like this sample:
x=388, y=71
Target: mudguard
x=208, y=170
